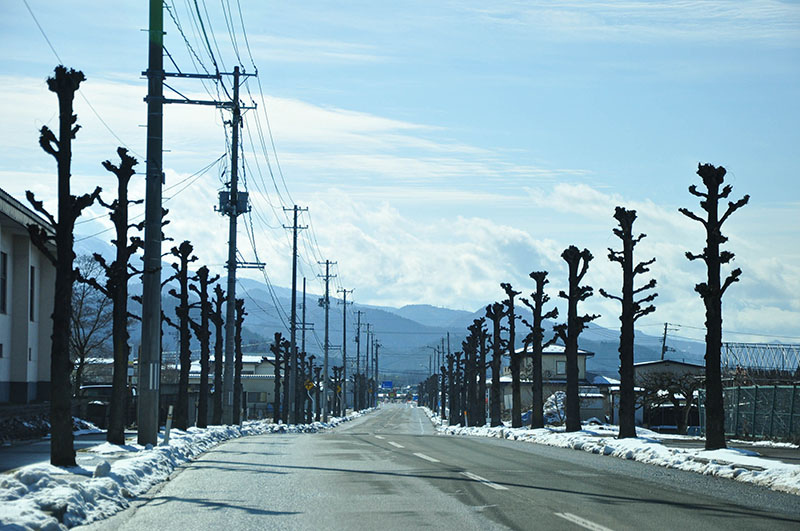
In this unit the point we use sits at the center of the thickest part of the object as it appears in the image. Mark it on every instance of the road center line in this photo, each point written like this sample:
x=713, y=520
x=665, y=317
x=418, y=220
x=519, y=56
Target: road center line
x=379, y=437
x=586, y=524
x=396, y=445
x=485, y=481
x=427, y=458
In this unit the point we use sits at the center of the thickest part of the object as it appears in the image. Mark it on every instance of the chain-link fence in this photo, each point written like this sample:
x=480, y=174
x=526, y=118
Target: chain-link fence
x=760, y=411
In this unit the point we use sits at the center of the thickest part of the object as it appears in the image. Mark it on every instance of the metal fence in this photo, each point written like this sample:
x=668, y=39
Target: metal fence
x=761, y=411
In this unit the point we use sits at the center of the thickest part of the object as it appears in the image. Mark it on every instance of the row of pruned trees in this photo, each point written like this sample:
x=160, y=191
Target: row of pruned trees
x=111, y=281
x=459, y=386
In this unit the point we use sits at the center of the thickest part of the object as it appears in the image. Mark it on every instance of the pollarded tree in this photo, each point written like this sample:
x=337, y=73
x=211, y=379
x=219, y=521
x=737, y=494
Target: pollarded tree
x=203, y=335
x=578, y=262
x=217, y=318
x=514, y=358
x=237, y=372
x=535, y=340
x=115, y=287
x=495, y=313
x=64, y=83
x=713, y=289
x=632, y=310
x=183, y=253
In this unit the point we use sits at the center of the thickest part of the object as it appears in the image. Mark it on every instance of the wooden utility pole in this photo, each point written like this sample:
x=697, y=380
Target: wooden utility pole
x=150, y=356
x=356, y=384
x=326, y=303
x=344, y=293
x=293, y=324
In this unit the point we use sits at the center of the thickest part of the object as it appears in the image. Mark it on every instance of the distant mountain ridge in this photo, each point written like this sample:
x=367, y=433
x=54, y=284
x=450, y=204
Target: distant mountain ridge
x=407, y=334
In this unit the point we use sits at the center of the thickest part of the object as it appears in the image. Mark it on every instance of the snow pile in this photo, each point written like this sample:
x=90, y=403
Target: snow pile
x=43, y=496
x=741, y=465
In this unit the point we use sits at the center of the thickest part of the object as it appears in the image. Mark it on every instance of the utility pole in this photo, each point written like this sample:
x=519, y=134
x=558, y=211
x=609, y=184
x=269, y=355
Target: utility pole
x=150, y=355
x=303, y=330
x=367, y=356
x=344, y=293
x=664, y=347
x=326, y=302
x=377, y=347
x=293, y=356
x=356, y=387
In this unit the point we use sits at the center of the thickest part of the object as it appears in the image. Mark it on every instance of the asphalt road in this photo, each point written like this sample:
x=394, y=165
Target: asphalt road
x=389, y=470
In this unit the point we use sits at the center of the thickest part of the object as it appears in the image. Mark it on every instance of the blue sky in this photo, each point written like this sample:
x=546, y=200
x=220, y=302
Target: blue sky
x=445, y=147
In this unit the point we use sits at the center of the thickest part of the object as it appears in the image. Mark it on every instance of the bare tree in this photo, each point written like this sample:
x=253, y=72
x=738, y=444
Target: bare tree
x=663, y=387
x=183, y=253
x=237, y=373
x=514, y=358
x=535, y=339
x=278, y=349
x=578, y=262
x=90, y=321
x=218, y=319
x=115, y=287
x=64, y=83
x=203, y=335
x=632, y=310
x=713, y=289
x=495, y=313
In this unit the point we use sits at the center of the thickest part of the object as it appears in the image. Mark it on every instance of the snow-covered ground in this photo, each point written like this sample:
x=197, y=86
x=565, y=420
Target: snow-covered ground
x=741, y=465
x=46, y=497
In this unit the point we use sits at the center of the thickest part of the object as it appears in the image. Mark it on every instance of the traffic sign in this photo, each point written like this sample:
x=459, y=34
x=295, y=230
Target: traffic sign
x=386, y=384
x=309, y=385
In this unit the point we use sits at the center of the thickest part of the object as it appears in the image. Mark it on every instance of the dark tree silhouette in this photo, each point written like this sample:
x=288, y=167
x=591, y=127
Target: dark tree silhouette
x=535, y=341
x=183, y=253
x=632, y=310
x=451, y=390
x=203, y=335
x=64, y=83
x=117, y=274
x=443, y=375
x=495, y=313
x=578, y=262
x=470, y=348
x=237, y=367
x=713, y=289
x=514, y=358
x=279, y=348
x=217, y=318
x=309, y=402
x=481, y=335
x=317, y=399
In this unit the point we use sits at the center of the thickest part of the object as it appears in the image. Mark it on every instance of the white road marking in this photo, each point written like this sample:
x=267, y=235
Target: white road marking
x=396, y=445
x=379, y=437
x=427, y=458
x=586, y=524
x=485, y=481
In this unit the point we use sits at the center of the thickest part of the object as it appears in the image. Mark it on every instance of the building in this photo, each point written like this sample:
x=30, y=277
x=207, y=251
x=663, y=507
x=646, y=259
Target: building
x=258, y=383
x=664, y=386
x=27, y=285
x=595, y=390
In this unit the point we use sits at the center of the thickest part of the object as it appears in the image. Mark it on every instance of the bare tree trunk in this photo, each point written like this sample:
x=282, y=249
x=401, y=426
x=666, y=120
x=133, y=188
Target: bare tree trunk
x=578, y=262
x=217, y=319
x=64, y=83
x=713, y=289
x=495, y=313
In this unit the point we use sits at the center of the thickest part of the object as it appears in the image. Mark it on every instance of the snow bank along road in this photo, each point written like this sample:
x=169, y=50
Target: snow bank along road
x=389, y=470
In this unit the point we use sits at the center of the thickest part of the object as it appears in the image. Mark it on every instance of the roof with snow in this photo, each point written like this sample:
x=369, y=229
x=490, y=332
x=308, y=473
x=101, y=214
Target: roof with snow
x=552, y=350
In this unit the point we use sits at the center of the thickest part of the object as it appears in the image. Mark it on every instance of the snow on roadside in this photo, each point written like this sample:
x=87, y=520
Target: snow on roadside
x=42, y=496
x=741, y=465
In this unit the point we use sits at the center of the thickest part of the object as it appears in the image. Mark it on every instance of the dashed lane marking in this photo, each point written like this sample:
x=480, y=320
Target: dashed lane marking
x=485, y=481
x=584, y=523
x=427, y=458
x=396, y=445
x=379, y=437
